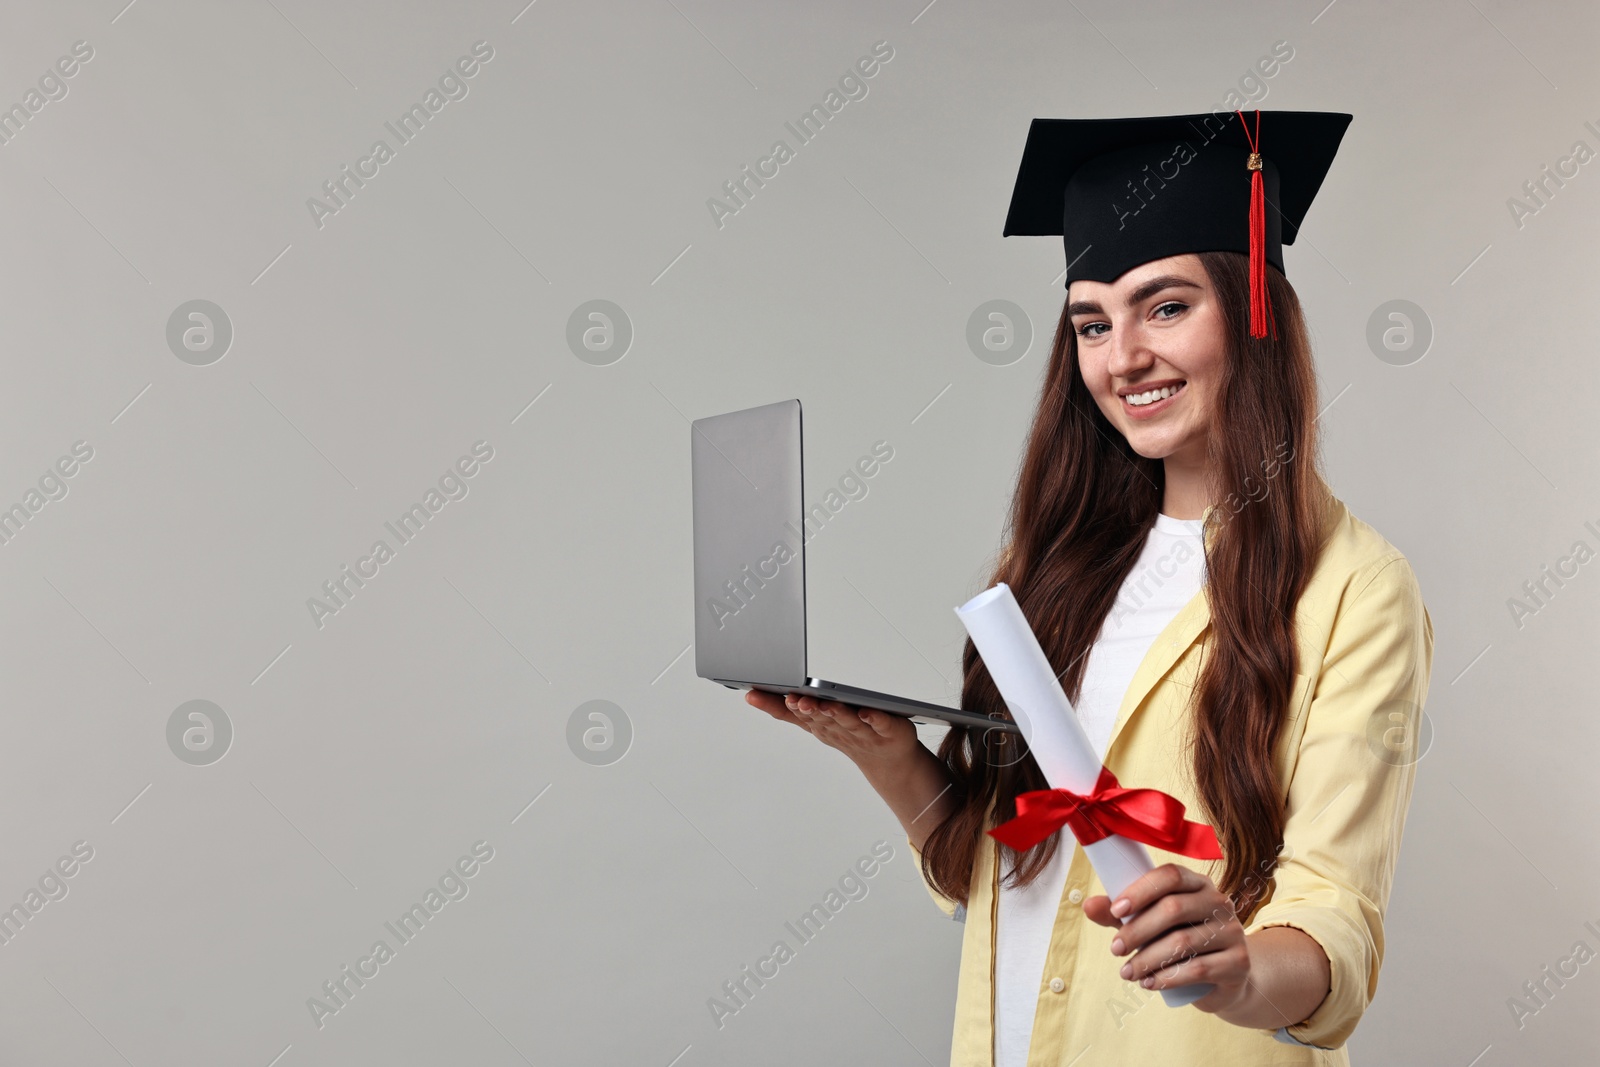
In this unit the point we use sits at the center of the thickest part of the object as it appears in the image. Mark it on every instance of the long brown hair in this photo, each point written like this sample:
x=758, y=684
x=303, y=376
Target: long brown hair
x=1084, y=503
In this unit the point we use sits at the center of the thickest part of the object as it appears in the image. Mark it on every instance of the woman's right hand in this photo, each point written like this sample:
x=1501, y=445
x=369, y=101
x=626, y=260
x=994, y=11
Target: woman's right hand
x=871, y=738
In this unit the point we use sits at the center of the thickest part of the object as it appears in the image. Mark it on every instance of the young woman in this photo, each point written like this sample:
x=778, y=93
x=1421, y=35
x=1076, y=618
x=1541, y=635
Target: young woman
x=1230, y=635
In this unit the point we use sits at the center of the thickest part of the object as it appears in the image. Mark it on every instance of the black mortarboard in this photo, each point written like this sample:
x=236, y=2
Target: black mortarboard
x=1122, y=192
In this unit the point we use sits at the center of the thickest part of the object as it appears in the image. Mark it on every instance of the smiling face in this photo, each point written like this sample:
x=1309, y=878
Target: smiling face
x=1156, y=329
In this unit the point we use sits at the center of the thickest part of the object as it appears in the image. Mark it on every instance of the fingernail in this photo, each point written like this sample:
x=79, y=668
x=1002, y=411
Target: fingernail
x=1117, y=948
x=1147, y=982
x=1127, y=970
x=1121, y=907
x=791, y=700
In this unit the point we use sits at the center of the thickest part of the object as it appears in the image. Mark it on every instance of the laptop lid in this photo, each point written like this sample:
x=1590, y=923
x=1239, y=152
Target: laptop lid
x=749, y=547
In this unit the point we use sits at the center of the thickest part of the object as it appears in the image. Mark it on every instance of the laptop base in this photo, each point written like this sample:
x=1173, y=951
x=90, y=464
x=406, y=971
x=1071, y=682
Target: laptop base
x=915, y=710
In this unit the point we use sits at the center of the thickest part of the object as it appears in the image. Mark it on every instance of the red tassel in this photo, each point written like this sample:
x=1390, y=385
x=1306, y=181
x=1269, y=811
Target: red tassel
x=1260, y=304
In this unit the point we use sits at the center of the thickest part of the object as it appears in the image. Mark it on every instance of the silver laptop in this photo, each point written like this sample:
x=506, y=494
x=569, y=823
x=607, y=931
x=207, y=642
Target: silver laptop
x=750, y=565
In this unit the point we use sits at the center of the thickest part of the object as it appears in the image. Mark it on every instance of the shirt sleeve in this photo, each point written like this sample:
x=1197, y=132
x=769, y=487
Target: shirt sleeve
x=1349, y=791
x=953, y=910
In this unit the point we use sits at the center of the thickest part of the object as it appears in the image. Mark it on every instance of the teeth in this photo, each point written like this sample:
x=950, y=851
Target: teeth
x=1139, y=400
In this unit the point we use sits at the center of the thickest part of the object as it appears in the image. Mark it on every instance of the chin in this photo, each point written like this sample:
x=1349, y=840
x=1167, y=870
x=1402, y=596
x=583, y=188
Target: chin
x=1151, y=452
x=1152, y=447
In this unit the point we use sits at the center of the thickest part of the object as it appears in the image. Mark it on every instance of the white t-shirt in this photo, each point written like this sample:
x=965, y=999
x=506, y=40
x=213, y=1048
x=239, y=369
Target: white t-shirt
x=1168, y=574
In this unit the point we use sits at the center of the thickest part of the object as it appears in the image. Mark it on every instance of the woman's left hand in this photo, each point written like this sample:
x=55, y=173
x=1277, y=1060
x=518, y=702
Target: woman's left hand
x=1183, y=931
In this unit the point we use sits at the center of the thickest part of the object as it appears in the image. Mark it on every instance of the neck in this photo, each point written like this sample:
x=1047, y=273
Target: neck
x=1186, y=495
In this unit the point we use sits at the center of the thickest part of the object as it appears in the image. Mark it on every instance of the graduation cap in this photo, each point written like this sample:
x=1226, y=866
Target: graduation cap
x=1122, y=192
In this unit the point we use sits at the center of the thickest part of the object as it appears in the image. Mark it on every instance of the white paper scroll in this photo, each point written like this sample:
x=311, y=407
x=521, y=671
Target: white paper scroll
x=1056, y=738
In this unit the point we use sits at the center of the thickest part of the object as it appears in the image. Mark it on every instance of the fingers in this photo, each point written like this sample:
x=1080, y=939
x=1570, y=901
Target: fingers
x=838, y=724
x=1155, y=884
x=825, y=711
x=1173, y=910
x=1186, y=944
x=883, y=724
x=1163, y=953
x=887, y=726
x=1098, y=909
x=773, y=705
x=1189, y=916
x=1172, y=960
x=806, y=712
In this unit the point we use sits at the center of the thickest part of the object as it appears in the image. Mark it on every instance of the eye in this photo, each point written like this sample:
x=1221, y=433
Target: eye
x=1167, y=311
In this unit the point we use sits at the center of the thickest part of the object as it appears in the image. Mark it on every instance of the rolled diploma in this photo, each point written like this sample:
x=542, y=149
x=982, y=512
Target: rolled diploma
x=1034, y=696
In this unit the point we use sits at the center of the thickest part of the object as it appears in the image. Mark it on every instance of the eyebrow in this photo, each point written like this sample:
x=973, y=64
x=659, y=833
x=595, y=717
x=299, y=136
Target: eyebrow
x=1138, y=296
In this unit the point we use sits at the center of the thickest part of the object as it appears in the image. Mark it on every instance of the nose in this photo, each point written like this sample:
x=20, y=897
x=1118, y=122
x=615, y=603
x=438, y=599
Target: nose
x=1130, y=351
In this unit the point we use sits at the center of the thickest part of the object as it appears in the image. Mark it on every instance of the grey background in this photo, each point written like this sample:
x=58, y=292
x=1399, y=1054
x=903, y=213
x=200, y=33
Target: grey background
x=368, y=355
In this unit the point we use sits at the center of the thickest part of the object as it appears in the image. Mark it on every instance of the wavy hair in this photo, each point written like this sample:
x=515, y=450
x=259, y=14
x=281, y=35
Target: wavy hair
x=1084, y=503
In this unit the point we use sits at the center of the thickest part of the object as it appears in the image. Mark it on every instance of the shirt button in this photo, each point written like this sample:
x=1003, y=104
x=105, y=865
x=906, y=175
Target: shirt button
x=1057, y=985
x=1076, y=896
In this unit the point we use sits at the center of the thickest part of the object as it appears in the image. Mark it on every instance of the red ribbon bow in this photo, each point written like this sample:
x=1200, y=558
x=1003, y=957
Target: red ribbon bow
x=1148, y=816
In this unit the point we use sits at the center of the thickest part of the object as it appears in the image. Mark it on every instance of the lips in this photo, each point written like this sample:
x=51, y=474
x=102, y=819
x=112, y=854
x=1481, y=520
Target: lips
x=1150, y=410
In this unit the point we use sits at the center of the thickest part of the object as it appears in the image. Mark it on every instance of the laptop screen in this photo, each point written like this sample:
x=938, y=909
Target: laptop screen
x=749, y=553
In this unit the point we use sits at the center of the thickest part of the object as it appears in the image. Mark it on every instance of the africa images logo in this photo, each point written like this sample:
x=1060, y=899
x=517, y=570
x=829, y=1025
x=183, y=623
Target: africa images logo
x=341, y=189
x=852, y=85
x=853, y=885
x=338, y=991
x=453, y=485
x=742, y=587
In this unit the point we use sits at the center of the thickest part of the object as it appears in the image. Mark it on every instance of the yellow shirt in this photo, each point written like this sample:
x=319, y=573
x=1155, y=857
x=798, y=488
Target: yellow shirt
x=1347, y=761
